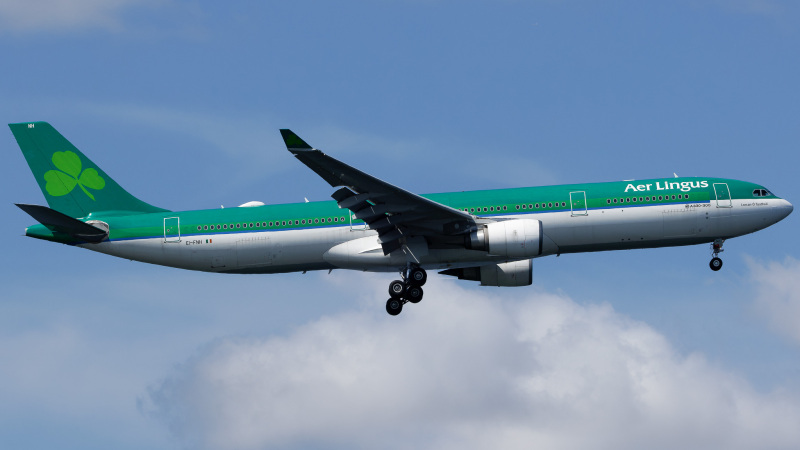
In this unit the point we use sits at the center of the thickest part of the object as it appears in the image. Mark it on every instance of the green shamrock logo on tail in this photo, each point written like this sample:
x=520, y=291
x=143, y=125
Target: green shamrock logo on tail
x=63, y=181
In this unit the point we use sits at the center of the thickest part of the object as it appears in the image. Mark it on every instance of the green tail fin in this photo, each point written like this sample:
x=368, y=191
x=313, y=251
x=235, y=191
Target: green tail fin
x=71, y=183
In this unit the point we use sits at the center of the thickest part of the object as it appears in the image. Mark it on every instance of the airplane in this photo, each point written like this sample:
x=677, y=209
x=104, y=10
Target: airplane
x=489, y=236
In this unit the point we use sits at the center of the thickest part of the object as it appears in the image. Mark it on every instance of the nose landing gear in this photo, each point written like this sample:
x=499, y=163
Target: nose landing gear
x=716, y=249
x=407, y=290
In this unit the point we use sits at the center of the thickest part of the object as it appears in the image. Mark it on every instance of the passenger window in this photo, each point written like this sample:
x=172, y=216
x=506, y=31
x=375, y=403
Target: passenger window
x=608, y=200
x=615, y=200
x=549, y=205
x=225, y=226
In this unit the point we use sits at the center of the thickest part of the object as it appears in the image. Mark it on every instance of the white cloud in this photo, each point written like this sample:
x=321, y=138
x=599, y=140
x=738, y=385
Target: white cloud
x=467, y=369
x=778, y=294
x=55, y=15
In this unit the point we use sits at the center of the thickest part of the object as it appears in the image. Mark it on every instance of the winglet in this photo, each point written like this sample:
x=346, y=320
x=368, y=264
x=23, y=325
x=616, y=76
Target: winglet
x=293, y=141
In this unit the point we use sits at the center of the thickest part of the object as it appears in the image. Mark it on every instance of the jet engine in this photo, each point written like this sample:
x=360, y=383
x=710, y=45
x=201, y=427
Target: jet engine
x=514, y=273
x=518, y=238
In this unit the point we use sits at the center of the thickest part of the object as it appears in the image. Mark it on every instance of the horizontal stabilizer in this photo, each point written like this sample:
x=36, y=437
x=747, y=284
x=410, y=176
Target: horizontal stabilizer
x=63, y=223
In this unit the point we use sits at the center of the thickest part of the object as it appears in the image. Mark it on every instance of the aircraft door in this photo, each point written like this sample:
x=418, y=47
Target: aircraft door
x=577, y=202
x=723, y=195
x=356, y=226
x=172, y=229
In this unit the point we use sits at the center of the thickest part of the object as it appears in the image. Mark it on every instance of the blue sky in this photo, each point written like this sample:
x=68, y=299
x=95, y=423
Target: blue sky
x=181, y=103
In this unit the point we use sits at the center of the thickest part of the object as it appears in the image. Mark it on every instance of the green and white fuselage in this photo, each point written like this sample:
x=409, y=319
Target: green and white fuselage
x=315, y=235
x=374, y=226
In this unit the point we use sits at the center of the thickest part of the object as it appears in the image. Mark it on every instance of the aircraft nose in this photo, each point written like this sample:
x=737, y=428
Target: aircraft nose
x=784, y=209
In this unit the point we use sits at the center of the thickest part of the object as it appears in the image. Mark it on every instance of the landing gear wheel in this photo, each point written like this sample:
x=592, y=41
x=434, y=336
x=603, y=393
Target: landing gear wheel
x=394, y=306
x=716, y=249
x=413, y=294
x=396, y=289
x=417, y=276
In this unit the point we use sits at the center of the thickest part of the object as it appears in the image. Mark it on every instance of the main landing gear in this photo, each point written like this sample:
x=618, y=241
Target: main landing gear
x=716, y=249
x=407, y=290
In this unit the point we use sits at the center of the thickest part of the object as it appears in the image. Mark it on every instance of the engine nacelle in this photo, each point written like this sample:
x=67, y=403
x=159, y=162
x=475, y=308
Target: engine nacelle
x=518, y=238
x=514, y=273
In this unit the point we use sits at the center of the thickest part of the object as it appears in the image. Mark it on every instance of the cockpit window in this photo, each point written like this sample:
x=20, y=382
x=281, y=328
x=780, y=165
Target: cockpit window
x=760, y=193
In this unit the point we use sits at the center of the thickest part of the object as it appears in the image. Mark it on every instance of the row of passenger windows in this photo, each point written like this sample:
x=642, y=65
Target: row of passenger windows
x=564, y=204
x=284, y=223
x=277, y=223
x=536, y=205
x=485, y=209
x=647, y=199
x=505, y=208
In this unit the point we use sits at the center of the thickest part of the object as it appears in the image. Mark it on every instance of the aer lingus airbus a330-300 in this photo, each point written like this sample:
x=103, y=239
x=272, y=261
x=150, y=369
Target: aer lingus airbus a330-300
x=489, y=236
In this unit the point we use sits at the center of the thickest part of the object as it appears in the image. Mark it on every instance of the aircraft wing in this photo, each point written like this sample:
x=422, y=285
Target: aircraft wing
x=396, y=214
